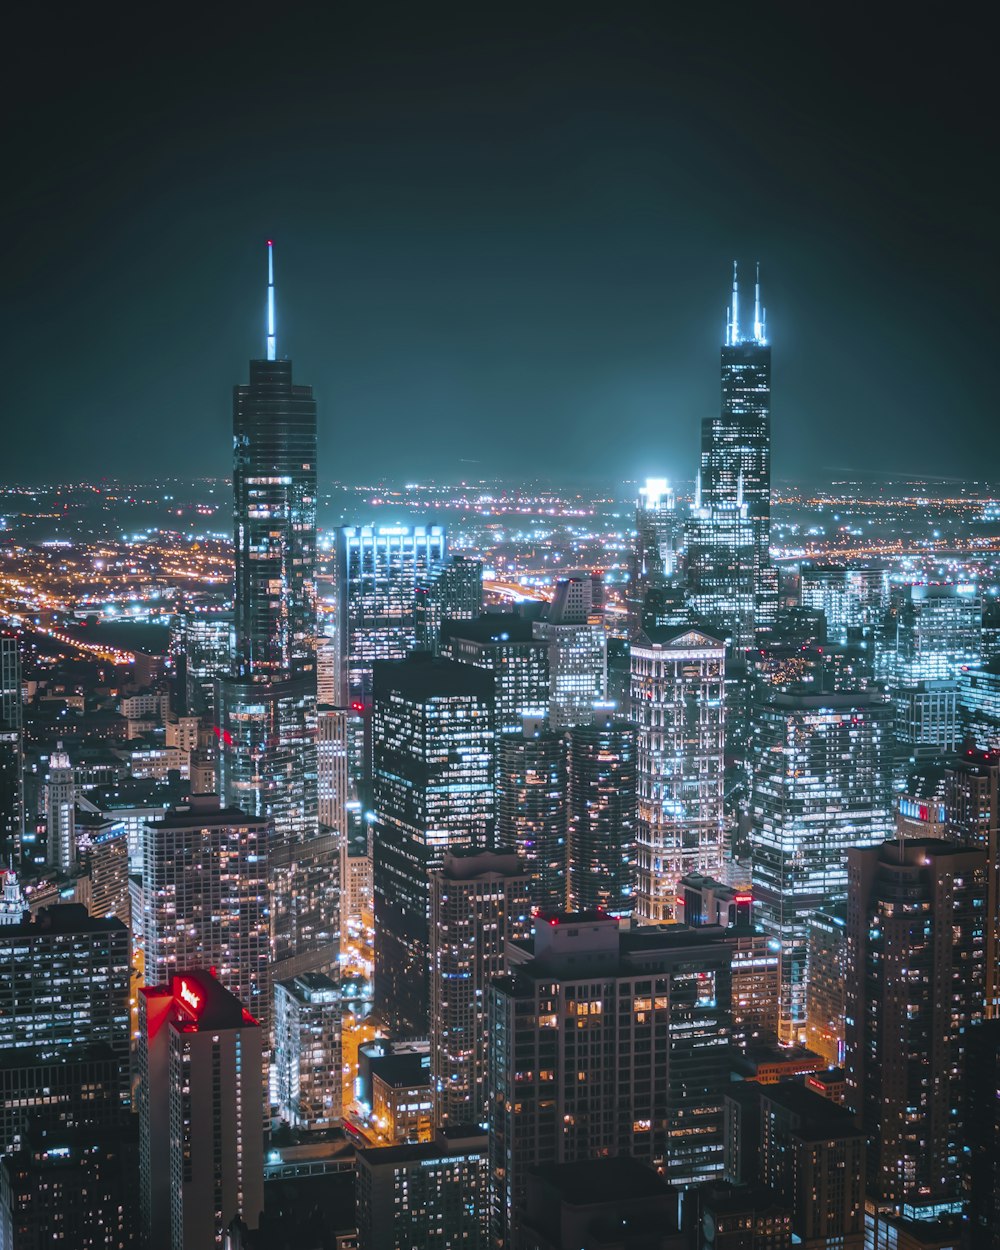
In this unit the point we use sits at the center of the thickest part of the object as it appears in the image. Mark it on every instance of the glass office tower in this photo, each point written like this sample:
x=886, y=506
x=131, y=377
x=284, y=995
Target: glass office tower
x=822, y=784
x=267, y=709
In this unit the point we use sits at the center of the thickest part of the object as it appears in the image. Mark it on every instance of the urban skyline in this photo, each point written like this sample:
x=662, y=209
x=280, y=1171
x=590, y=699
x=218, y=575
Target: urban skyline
x=498, y=859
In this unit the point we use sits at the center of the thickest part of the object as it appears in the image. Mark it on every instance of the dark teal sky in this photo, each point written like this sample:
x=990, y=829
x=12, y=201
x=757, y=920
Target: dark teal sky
x=503, y=234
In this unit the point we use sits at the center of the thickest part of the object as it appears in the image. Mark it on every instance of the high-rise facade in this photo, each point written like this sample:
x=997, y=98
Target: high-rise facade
x=972, y=817
x=607, y=1042
x=433, y=788
x=601, y=815
x=452, y=591
x=307, y=1051
x=430, y=1195
x=205, y=898
x=732, y=520
x=504, y=644
x=11, y=747
x=267, y=761
x=60, y=812
x=531, y=808
x=65, y=983
x=201, y=1161
x=853, y=601
x=822, y=784
x=479, y=902
x=377, y=572
x=578, y=652
x=678, y=709
x=659, y=534
x=915, y=975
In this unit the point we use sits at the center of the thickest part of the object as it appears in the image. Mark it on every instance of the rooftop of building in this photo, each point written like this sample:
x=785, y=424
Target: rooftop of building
x=690, y=634
x=12, y=1057
x=466, y=863
x=308, y=987
x=818, y=1118
x=451, y=1145
x=422, y=676
x=492, y=628
x=202, y=811
x=63, y=918
x=402, y=1071
x=725, y=1198
x=202, y=1003
x=591, y=1182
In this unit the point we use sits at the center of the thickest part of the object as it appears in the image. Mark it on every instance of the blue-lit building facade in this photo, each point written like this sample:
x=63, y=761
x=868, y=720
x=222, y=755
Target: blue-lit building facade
x=378, y=571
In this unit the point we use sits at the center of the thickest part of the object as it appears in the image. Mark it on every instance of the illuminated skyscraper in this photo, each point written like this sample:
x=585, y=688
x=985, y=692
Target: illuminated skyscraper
x=378, y=570
x=60, y=812
x=201, y=1161
x=655, y=558
x=915, y=975
x=735, y=473
x=578, y=652
x=433, y=783
x=601, y=803
x=503, y=643
x=205, y=898
x=822, y=784
x=678, y=709
x=267, y=761
x=451, y=591
x=479, y=901
x=531, y=808
x=607, y=1041
x=11, y=747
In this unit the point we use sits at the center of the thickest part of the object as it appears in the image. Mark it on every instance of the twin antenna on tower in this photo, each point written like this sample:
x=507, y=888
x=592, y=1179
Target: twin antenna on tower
x=271, y=340
x=733, y=335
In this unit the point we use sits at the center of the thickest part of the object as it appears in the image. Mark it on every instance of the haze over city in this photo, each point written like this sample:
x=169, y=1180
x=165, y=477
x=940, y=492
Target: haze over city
x=499, y=631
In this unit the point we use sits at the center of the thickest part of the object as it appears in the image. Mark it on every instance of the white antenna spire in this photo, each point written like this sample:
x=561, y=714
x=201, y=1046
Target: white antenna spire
x=697, y=491
x=734, y=336
x=758, y=324
x=272, y=353
x=739, y=490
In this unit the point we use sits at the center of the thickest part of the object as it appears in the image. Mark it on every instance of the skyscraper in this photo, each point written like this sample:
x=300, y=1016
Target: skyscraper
x=607, y=1042
x=60, y=812
x=204, y=898
x=531, y=808
x=735, y=470
x=11, y=747
x=678, y=709
x=479, y=901
x=915, y=975
x=503, y=643
x=821, y=785
x=268, y=707
x=377, y=572
x=656, y=555
x=200, y=1143
x=601, y=810
x=307, y=1051
x=433, y=782
x=450, y=592
x=578, y=652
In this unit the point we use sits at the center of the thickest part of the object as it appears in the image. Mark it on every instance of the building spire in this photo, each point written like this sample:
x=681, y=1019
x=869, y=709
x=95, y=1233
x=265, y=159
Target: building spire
x=734, y=331
x=758, y=323
x=271, y=343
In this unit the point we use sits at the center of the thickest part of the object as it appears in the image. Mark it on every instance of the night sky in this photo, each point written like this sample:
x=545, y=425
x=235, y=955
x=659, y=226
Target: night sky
x=503, y=234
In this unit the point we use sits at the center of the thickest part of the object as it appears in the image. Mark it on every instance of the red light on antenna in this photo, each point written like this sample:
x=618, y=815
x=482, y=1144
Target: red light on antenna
x=270, y=243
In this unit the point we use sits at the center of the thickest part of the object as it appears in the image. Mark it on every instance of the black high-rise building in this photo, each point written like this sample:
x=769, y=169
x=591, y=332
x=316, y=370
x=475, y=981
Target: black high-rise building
x=602, y=763
x=433, y=787
x=531, y=808
x=267, y=763
x=735, y=475
x=11, y=747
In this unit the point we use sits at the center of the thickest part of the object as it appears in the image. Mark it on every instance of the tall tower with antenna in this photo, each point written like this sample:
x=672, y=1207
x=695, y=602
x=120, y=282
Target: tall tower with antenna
x=267, y=728
x=736, y=445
